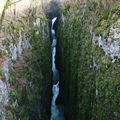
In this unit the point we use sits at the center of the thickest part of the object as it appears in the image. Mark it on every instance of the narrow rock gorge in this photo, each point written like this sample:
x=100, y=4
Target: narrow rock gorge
x=60, y=60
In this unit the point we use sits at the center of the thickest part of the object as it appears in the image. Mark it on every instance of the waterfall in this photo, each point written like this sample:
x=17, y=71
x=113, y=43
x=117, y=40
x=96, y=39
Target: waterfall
x=56, y=112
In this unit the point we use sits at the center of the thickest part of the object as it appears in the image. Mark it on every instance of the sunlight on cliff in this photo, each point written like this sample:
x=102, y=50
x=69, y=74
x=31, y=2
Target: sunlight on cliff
x=20, y=5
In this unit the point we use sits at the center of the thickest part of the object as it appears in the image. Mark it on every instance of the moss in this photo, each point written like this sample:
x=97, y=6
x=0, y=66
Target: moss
x=1, y=72
x=14, y=94
x=88, y=76
x=9, y=116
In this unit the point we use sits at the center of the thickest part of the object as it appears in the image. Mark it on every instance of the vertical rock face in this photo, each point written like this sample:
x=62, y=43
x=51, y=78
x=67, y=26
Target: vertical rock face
x=88, y=54
x=25, y=67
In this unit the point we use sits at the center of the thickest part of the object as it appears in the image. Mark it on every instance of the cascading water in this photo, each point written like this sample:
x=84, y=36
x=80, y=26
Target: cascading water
x=56, y=111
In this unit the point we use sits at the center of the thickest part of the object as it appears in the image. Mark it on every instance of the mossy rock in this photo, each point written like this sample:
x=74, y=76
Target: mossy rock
x=9, y=115
x=14, y=94
x=1, y=72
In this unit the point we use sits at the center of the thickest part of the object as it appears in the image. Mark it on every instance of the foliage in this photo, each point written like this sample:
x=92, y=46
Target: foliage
x=89, y=77
x=1, y=71
x=30, y=74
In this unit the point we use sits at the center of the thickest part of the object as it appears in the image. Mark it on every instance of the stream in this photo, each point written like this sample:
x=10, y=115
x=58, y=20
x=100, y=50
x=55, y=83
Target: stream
x=57, y=112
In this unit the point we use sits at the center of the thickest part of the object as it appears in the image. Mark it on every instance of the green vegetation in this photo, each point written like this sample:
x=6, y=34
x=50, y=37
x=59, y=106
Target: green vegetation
x=90, y=79
x=30, y=75
x=1, y=72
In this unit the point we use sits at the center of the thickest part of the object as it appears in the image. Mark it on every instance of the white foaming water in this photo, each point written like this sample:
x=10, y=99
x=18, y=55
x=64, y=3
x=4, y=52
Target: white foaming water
x=53, y=21
x=54, y=108
x=55, y=91
x=53, y=31
x=56, y=112
x=54, y=43
x=53, y=58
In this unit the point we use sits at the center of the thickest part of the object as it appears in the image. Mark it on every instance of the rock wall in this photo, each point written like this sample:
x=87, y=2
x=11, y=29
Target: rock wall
x=88, y=58
x=25, y=67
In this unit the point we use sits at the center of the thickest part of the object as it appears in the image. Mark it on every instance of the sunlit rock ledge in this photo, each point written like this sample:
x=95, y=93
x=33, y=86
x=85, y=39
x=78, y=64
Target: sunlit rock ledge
x=111, y=44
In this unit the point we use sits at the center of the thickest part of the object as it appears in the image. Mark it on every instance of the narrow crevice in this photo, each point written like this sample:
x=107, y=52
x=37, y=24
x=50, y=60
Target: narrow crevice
x=57, y=110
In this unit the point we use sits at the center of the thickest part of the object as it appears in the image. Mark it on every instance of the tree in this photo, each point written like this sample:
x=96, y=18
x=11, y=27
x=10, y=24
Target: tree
x=7, y=4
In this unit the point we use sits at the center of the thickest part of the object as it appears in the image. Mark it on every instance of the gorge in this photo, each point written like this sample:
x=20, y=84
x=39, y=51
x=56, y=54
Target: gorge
x=56, y=111
x=61, y=61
